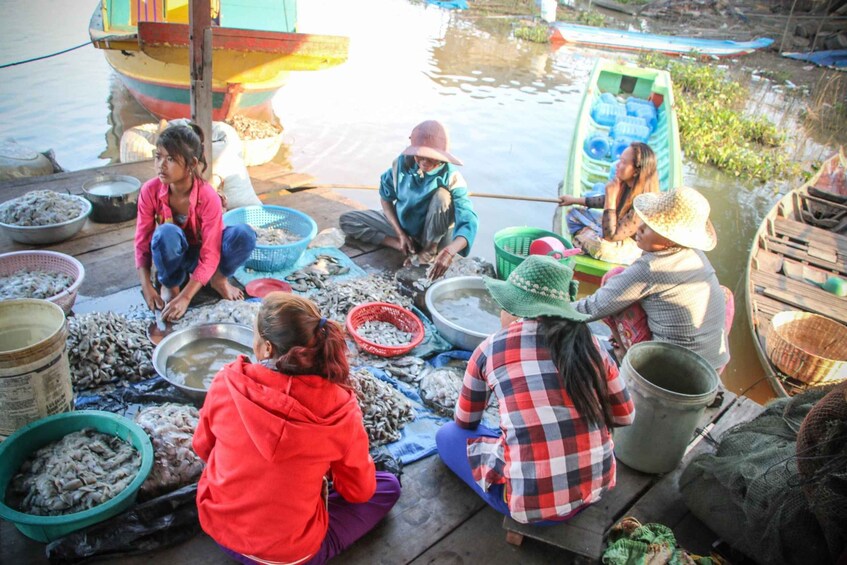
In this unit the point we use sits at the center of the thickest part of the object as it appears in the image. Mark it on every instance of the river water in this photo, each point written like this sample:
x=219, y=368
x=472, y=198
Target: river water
x=510, y=107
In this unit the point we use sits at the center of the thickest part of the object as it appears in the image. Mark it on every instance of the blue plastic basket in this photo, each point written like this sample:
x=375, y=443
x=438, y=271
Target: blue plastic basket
x=268, y=258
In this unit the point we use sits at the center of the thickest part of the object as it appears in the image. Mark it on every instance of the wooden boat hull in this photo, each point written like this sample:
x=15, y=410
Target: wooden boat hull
x=563, y=32
x=785, y=255
x=583, y=172
x=248, y=66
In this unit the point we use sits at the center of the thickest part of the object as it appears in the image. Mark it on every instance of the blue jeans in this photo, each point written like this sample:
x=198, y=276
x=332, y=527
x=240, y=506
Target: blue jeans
x=175, y=259
x=452, y=442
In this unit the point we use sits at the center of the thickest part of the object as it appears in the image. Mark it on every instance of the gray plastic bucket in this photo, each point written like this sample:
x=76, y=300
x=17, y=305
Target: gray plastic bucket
x=671, y=387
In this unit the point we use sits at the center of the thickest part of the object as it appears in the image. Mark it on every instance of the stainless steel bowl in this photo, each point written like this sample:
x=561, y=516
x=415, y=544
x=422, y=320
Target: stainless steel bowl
x=461, y=337
x=53, y=233
x=114, y=197
x=170, y=344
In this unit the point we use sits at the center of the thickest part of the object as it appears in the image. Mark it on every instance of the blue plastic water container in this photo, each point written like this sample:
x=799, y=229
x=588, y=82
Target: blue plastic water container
x=597, y=146
x=631, y=131
x=608, y=98
x=599, y=189
x=620, y=146
x=605, y=113
x=633, y=102
x=644, y=111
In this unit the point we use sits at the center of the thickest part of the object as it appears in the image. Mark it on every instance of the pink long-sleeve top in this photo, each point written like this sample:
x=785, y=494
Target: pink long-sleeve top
x=204, y=226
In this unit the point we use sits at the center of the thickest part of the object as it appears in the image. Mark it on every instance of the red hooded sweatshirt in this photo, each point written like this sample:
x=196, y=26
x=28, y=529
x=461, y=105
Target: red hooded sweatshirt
x=268, y=440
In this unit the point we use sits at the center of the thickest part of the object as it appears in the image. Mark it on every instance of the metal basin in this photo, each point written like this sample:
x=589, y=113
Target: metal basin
x=461, y=337
x=114, y=198
x=51, y=233
x=170, y=344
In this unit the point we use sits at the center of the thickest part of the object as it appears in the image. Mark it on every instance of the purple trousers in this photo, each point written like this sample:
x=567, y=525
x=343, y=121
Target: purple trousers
x=347, y=521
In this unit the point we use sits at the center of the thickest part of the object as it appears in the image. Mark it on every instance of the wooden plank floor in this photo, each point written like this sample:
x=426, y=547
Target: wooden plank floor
x=437, y=519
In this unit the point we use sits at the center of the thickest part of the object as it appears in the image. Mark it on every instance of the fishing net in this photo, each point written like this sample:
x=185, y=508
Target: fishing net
x=752, y=493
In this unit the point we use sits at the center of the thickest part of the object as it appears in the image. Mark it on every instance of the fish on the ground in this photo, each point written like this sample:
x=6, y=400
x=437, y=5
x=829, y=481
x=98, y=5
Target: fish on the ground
x=385, y=411
x=337, y=298
x=316, y=274
x=80, y=471
x=221, y=312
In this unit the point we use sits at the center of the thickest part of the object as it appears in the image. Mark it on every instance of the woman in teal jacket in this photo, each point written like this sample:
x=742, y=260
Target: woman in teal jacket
x=423, y=197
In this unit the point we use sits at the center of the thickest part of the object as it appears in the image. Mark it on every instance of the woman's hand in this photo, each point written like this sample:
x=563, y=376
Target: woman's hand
x=175, y=309
x=151, y=297
x=568, y=200
x=407, y=244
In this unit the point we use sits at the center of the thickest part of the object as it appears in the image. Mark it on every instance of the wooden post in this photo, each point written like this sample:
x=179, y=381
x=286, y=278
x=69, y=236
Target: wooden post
x=200, y=16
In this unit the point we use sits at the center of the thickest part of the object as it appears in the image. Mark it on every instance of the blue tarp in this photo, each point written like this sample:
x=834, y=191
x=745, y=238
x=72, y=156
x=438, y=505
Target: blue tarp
x=836, y=58
x=450, y=4
x=244, y=276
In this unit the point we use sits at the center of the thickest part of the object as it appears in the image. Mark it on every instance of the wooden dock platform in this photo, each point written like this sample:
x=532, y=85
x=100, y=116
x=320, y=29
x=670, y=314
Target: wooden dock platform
x=437, y=519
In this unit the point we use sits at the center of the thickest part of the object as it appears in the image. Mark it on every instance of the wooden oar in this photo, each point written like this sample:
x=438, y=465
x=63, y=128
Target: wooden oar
x=476, y=194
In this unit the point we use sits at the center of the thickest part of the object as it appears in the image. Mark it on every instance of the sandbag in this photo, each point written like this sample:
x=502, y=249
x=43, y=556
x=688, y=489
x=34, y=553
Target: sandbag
x=17, y=161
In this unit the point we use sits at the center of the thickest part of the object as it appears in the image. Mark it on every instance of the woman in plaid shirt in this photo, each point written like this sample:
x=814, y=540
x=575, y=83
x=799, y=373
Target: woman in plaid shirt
x=559, y=394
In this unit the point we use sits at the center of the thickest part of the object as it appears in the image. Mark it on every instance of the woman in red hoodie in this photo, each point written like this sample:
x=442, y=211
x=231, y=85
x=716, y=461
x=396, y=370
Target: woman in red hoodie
x=275, y=433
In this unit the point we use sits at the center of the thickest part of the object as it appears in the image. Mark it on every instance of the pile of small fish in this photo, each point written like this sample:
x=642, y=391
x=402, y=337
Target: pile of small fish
x=337, y=298
x=41, y=208
x=384, y=409
x=33, y=284
x=460, y=267
x=221, y=312
x=316, y=274
x=440, y=389
x=105, y=347
x=171, y=428
x=383, y=333
x=250, y=128
x=78, y=472
x=406, y=368
x=275, y=236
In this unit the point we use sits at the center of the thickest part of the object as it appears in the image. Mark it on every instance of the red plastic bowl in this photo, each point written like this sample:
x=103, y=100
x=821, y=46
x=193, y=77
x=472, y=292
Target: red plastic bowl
x=261, y=287
x=385, y=312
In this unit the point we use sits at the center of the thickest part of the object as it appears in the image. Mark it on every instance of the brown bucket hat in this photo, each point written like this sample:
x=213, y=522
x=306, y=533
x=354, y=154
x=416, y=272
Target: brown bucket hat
x=681, y=215
x=430, y=139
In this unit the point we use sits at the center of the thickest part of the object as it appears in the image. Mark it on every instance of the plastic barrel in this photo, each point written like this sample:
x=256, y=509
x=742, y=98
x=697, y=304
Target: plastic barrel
x=605, y=113
x=597, y=146
x=671, y=387
x=35, y=377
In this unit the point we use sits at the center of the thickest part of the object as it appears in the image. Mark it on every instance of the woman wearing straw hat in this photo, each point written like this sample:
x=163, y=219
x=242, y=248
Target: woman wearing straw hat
x=559, y=394
x=673, y=281
x=423, y=196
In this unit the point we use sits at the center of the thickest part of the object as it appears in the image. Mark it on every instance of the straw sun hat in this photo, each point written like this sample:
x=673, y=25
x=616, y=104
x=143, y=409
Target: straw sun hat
x=539, y=286
x=681, y=215
x=430, y=139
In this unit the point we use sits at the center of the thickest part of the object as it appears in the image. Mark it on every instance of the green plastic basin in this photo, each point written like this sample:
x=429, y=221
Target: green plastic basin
x=18, y=446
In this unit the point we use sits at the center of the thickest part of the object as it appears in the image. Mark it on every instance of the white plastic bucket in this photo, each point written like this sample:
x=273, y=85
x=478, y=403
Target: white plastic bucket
x=671, y=387
x=548, y=9
x=35, y=377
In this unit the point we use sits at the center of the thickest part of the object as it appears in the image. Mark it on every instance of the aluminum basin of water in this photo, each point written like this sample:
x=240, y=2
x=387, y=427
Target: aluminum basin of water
x=190, y=358
x=463, y=311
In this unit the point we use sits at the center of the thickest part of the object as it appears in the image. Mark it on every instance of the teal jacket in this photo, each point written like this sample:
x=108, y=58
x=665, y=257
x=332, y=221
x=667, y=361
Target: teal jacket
x=411, y=195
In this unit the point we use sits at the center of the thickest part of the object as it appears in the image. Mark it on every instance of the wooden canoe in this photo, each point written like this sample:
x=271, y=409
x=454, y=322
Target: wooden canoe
x=564, y=32
x=795, y=249
x=254, y=48
x=583, y=172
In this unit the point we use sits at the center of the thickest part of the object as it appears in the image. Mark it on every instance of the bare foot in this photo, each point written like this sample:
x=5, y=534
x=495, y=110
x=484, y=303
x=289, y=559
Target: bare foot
x=168, y=293
x=228, y=292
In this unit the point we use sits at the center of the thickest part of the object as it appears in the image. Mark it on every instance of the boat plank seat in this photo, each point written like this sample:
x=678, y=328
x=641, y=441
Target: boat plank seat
x=810, y=234
x=827, y=260
x=636, y=493
x=802, y=295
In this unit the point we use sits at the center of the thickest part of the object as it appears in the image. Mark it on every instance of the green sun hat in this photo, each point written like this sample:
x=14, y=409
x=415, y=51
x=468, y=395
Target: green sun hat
x=539, y=286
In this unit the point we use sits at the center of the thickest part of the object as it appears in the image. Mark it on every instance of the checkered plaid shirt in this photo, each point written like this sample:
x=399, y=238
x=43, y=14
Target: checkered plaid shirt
x=550, y=458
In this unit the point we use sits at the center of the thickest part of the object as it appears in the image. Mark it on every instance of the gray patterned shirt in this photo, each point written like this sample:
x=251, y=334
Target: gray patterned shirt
x=680, y=294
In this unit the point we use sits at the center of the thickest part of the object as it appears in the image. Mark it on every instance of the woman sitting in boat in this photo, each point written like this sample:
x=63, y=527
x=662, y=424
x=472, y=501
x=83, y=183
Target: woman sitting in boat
x=610, y=237
x=671, y=293
x=426, y=211
x=288, y=476
x=180, y=230
x=559, y=394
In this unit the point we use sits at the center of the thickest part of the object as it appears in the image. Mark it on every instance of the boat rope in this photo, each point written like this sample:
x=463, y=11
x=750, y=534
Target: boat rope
x=45, y=56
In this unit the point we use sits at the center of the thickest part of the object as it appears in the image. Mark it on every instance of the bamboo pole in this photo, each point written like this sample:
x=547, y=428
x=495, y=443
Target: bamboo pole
x=475, y=194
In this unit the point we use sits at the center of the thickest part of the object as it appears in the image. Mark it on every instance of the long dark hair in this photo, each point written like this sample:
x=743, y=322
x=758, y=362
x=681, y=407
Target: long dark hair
x=303, y=342
x=184, y=142
x=646, y=175
x=580, y=367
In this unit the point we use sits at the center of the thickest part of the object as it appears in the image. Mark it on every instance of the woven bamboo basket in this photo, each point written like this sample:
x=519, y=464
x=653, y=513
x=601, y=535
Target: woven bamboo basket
x=808, y=347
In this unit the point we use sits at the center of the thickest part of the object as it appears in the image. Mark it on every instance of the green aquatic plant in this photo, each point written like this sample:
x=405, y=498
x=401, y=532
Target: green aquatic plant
x=713, y=127
x=538, y=33
x=591, y=18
